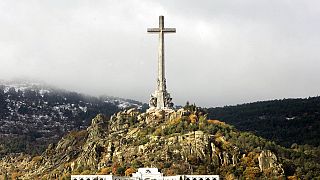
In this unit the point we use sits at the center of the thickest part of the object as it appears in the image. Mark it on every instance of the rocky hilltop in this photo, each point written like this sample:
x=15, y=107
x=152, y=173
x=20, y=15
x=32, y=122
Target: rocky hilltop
x=177, y=142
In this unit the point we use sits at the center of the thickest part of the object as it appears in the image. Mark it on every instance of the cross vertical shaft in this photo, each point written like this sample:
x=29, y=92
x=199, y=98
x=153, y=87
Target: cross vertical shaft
x=161, y=98
x=161, y=68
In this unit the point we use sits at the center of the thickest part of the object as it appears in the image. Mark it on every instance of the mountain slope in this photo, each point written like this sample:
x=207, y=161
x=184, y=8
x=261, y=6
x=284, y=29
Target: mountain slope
x=32, y=115
x=177, y=142
x=286, y=121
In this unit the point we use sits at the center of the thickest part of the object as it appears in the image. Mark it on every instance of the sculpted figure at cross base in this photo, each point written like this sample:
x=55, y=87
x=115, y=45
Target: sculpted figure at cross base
x=167, y=101
x=161, y=99
x=153, y=101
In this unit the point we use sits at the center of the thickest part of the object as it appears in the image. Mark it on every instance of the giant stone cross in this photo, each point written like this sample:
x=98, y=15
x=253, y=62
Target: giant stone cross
x=161, y=99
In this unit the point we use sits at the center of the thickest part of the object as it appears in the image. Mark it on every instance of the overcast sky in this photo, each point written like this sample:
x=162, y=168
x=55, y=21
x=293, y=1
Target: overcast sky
x=224, y=52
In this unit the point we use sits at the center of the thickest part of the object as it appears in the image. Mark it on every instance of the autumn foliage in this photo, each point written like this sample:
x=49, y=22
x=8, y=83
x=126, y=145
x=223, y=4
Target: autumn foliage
x=105, y=171
x=214, y=121
x=129, y=171
x=193, y=118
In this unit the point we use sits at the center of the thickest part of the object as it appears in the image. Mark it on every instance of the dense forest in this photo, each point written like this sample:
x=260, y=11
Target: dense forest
x=288, y=122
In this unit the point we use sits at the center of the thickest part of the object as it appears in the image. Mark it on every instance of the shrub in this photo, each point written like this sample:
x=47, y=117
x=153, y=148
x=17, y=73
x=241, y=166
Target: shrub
x=129, y=171
x=66, y=176
x=214, y=121
x=175, y=121
x=37, y=159
x=193, y=118
x=201, y=170
x=158, y=132
x=252, y=172
x=86, y=172
x=15, y=175
x=105, y=171
x=121, y=171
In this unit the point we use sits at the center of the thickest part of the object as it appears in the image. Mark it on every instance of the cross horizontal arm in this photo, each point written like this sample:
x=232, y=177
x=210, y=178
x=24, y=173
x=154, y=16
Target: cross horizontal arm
x=165, y=30
x=169, y=30
x=153, y=30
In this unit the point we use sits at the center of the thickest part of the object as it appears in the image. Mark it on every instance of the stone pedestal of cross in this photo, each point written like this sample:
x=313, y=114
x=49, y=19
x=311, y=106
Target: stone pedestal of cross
x=161, y=99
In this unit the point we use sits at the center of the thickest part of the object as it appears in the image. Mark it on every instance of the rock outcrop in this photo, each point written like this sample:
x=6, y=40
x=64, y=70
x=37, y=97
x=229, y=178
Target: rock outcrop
x=268, y=163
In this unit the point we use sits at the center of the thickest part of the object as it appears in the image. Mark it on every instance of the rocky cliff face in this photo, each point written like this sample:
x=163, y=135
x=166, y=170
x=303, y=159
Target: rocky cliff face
x=177, y=142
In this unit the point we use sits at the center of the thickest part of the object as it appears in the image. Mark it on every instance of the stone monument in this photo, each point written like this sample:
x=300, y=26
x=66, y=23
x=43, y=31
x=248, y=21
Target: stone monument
x=161, y=99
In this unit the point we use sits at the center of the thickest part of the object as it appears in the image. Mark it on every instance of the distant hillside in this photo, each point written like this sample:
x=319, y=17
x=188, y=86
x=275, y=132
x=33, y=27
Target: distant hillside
x=176, y=142
x=286, y=121
x=32, y=115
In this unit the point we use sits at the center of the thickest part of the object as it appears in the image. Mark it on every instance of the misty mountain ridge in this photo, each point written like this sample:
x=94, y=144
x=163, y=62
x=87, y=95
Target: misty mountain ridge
x=35, y=114
x=42, y=87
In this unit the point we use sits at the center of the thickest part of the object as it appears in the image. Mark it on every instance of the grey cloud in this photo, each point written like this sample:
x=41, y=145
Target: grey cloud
x=224, y=52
